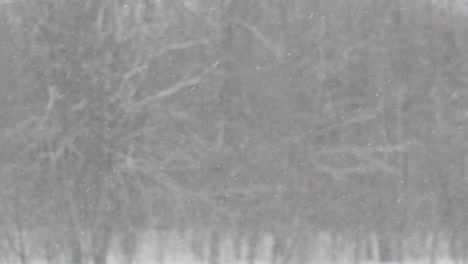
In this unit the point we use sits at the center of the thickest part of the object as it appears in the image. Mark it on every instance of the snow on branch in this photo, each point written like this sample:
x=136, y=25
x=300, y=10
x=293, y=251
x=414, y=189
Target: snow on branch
x=348, y=122
x=181, y=46
x=169, y=92
x=361, y=149
x=367, y=154
x=276, y=49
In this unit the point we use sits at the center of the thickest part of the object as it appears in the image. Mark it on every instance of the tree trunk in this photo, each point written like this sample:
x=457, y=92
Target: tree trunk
x=50, y=252
x=434, y=246
x=278, y=249
x=129, y=246
x=253, y=242
x=22, y=255
x=357, y=256
x=101, y=245
x=238, y=246
x=214, y=247
x=303, y=249
x=465, y=244
x=76, y=253
x=162, y=240
x=334, y=247
x=385, y=252
x=196, y=244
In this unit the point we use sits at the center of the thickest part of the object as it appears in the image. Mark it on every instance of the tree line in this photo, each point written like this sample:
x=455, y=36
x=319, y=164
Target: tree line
x=234, y=121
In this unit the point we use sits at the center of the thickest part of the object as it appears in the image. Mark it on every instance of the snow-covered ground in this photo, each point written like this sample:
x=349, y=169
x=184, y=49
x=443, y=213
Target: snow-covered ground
x=177, y=248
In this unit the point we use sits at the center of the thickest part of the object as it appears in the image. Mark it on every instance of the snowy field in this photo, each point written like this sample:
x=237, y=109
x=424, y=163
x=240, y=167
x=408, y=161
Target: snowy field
x=177, y=249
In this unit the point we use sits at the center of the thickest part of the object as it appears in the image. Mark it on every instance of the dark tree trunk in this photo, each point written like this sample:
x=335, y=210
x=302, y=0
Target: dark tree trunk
x=101, y=246
x=214, y=247
x=76, y=253
x=253, y=242
x=238, y=245
x=129, y=246
x=196, y=245
x=385, y=248
x=278, y=250
x=161, y=246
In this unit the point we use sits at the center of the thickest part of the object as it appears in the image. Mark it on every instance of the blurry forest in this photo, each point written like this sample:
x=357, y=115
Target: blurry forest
x=338, y=125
